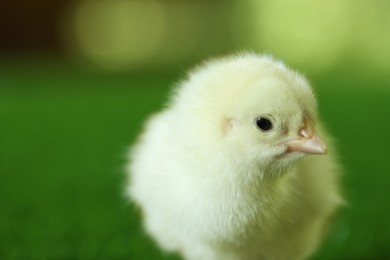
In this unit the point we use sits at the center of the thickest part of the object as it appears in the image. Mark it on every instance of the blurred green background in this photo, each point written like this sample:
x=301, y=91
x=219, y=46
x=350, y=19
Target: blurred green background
x=78, y=78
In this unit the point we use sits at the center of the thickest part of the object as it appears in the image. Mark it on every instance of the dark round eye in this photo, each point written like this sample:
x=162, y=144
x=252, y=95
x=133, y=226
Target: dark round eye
x=264, y=124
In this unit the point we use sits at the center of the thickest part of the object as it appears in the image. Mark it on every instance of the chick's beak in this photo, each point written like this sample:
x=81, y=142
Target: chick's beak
x=308, y=141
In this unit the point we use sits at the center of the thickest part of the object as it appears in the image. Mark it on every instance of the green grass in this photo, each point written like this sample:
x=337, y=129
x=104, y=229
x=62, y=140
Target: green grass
x=63, y=140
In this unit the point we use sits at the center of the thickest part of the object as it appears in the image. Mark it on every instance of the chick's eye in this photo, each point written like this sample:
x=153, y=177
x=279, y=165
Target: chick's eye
x=264, y=124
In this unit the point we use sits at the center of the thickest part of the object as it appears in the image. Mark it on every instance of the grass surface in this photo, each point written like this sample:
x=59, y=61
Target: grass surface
x=63, y=139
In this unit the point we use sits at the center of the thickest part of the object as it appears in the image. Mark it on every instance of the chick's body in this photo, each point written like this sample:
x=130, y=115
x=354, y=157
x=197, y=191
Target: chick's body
x=214, y=182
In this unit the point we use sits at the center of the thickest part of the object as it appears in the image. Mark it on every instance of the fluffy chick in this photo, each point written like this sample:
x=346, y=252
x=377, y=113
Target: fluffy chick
x=223, y=173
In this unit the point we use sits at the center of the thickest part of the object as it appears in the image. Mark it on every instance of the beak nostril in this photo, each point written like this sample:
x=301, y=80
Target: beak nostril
x=305, y=133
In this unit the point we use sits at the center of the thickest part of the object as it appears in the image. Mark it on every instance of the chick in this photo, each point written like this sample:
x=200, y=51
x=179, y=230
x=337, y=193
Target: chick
x=233, y=167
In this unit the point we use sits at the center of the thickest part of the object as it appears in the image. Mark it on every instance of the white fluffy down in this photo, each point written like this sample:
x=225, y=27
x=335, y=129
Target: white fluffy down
x=211, y=185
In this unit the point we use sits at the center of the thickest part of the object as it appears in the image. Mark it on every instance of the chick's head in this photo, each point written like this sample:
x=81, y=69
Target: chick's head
x=260, y=112
x=271, y=123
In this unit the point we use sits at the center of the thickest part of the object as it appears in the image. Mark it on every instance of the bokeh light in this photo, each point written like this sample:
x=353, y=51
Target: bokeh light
x=322, y=34
x=131, y=34
x=303, y=31
x=120, y=34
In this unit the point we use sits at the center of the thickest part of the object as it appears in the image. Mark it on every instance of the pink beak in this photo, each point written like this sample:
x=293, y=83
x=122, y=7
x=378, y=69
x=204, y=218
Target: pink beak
x=307, y=142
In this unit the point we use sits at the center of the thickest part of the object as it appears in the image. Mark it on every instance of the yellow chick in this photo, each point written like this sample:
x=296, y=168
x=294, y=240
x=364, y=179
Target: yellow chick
x=234, y=167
